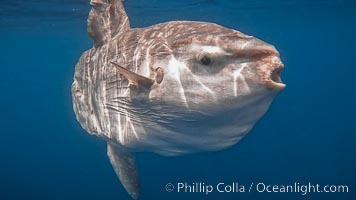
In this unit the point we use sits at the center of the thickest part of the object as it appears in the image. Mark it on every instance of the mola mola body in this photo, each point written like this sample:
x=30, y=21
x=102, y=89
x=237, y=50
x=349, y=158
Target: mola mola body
x=173, y=88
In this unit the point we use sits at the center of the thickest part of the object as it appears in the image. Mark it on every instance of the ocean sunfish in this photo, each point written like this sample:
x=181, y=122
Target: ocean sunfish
x=173, y=88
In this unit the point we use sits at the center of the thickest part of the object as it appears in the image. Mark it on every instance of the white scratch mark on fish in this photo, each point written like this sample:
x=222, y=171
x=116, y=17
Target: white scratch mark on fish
x=175, y=67
x=237, y=75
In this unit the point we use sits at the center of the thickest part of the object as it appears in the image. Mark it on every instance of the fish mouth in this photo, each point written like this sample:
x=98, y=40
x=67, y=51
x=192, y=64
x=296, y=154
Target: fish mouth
x=275, y=77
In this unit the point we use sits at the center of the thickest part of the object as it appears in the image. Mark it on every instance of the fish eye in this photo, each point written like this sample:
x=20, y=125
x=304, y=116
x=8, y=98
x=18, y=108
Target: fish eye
x=205, y=60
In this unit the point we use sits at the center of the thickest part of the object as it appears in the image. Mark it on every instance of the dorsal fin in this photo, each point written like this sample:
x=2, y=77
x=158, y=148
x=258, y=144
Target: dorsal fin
x=107, y=18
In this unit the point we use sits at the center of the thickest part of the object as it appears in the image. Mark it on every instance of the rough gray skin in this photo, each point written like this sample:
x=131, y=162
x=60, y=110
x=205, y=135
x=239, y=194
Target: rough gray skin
x=173, y=88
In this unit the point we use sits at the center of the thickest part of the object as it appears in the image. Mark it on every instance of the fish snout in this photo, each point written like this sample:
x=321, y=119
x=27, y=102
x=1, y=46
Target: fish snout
x=273, y=74
x=264, y=60
x=270, y=64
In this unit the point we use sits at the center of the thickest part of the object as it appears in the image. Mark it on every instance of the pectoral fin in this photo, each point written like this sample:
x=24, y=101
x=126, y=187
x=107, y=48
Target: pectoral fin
x=124, y=165
x=136, y=79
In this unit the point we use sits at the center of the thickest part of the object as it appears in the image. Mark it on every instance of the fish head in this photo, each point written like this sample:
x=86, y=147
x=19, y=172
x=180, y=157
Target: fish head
x=217, y=69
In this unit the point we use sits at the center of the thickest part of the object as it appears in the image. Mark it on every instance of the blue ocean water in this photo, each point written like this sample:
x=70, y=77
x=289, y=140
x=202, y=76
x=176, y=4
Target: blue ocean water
x=308, y=134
